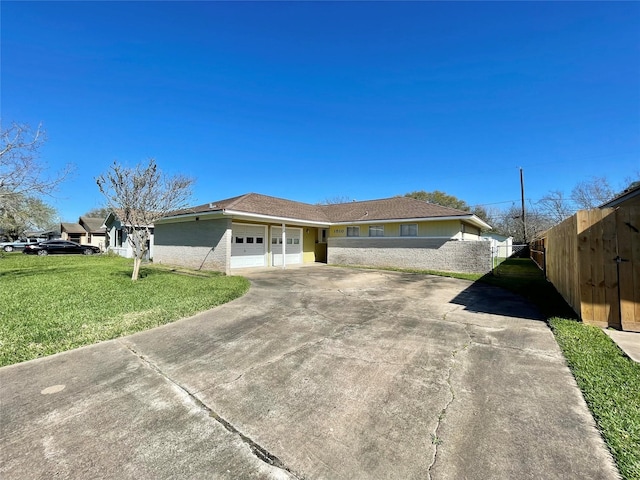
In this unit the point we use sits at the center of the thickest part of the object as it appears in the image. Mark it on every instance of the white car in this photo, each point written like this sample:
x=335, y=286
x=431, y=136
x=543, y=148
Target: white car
x=17, y=245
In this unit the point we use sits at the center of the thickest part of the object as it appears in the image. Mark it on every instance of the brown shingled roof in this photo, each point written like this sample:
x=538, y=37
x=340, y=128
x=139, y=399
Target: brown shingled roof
x=370, y=210
x=263, y=205
x=388, y=209
x=93, y=224
x=73, y=228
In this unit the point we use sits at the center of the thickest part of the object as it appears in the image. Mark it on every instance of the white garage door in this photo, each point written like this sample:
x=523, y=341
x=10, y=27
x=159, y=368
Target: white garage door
x=293, y=249
x=248, y=246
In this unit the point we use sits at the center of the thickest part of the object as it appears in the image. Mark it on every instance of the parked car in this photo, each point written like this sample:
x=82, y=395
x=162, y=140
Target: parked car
x=17, y=245
x=59, y=246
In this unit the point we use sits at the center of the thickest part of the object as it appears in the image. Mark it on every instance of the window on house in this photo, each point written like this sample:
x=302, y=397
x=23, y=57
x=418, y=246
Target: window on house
x=296, y=241
x=249, y=239
x=353, y=231
x=239, y=239
x=259, y=239
x=409, y=230
x=376, y=230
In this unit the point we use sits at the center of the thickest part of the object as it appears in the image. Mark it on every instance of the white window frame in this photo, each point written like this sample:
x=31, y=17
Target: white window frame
x=409, y=233
x=351, y=230
x=376, y=230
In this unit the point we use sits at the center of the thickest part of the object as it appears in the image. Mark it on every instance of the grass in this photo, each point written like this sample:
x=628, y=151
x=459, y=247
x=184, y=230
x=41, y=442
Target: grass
x=56, y=303
x=610, y=383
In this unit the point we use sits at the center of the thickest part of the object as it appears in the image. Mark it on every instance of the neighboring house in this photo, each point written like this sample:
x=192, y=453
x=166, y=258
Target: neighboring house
x=501, y=245
x=36, y=235
x=73, y=232
x=88, y=231
x=42, y=235
x=116, y=237
x=256, y=230
x=628, y=198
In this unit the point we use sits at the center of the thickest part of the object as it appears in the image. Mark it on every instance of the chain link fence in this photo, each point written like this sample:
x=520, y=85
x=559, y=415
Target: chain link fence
x=501, y=253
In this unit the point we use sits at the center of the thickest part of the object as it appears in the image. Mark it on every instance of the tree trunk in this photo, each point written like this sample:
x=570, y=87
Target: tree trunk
x=136, y=268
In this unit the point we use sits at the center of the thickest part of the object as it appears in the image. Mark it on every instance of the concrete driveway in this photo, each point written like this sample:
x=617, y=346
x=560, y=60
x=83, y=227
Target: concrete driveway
x=317, y=373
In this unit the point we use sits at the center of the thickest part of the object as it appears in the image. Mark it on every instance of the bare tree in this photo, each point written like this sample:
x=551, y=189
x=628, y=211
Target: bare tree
x=21, y=171
x=590, y=194
x=335, y=200
x=555, y=206
x=509, y=222
x=141, y=196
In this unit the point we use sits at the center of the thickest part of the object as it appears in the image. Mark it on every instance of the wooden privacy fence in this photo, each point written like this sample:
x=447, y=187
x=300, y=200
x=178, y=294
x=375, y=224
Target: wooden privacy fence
x=593, y=260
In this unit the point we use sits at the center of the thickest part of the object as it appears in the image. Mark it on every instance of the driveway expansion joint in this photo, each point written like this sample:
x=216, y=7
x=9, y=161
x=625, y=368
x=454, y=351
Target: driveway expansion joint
x=257, y=450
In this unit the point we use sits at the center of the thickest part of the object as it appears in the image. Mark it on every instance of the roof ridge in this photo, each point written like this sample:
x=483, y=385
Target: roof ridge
x=468, y=212
x=237, y=199
x=281, y=199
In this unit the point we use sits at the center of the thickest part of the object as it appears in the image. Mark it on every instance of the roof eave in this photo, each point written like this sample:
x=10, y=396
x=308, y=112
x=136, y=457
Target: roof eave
x=211, y=214
x=274, y=218
x=258, y=217
x=622, y=198
x=469, y=218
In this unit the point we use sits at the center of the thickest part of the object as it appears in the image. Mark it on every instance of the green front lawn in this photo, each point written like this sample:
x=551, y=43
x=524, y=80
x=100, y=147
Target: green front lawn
x=56, y=303
x=610, y=383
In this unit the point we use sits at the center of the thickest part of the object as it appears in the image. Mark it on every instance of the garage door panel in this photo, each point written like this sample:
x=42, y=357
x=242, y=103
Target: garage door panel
x=248, y=246
x=293, y=248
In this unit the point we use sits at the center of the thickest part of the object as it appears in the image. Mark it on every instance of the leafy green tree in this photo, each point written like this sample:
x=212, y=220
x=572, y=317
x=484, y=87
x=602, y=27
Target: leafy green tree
x=441, y=198
x=26, y=213
x=98, y=212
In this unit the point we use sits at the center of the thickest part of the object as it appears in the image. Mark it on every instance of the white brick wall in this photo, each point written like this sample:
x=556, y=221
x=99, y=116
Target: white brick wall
x=195, y=244
x=419, y=253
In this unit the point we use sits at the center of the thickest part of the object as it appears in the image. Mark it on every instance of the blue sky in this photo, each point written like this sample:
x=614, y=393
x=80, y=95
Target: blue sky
x=309, y=101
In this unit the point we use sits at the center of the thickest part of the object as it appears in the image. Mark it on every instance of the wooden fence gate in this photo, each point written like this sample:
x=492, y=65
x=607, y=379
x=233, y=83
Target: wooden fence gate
x=593, y=260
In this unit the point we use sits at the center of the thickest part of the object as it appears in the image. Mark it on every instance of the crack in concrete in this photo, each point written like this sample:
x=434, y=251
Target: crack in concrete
x=435, y=440
x=271, y=362
x=256, y=449
x=487, y=327
x=537, y=353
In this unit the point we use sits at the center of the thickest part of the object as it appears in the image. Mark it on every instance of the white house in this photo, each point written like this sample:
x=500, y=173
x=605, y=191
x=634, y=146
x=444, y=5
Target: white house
x=116, y=237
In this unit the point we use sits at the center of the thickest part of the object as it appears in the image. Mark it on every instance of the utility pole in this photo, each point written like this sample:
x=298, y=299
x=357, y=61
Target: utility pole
x=524, y=219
